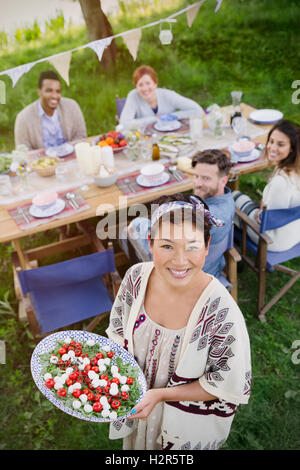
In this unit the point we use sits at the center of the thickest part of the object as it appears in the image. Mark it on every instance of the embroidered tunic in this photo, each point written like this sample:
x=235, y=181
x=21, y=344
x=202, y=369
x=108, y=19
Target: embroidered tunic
x=213, y=348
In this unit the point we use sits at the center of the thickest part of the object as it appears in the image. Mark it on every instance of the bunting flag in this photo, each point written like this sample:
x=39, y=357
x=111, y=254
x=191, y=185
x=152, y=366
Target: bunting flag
x=131, y=38
x=61, y=63
x=16, y=73
x=132, y=41
x=219, y=3
x=192, y=13
x=99, y=46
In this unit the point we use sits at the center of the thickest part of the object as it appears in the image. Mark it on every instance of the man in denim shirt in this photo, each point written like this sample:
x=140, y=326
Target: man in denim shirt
x=211, y=169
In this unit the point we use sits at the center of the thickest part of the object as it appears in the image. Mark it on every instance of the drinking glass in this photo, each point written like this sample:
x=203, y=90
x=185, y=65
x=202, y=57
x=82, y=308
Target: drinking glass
x=239, y=125
x=5, y=185
x=236, y=98
x=61, y=173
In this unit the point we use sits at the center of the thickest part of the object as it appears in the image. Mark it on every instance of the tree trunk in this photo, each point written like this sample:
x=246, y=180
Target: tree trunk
x=98, y=27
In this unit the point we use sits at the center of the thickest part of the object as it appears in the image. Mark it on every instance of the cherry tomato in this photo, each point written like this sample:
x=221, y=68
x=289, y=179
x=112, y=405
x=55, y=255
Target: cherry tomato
x=99, y=389
x=97, y=406
x=50, y=383
x=95, y=369
x=90, y=396
x=62, y=392
x=104, y=377
x=69, y=382
x=129, y=380
x=124, y=396
x=106, y=389
x=115, y=404
x=99, y=355
x=116, y=380
x=97, y=396
x=77, y=352
x=76, y=393
x=62, y=351
x=73, y=375
x=87, y=367
x=110, y=354
x=86, y=391
x=122, y=143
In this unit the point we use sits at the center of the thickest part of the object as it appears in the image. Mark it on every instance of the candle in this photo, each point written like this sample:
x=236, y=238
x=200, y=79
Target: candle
x=107, y=155
x=96, y=157
x=196, y=127
x=84, y=158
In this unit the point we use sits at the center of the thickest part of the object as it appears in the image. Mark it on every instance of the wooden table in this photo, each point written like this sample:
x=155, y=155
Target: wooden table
x=112, y=196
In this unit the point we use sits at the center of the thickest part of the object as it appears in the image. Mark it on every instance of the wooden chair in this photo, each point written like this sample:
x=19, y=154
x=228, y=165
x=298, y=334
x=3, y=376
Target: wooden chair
x=266, y=261
x=120, y=102
x=64, y=293
x=226, y=247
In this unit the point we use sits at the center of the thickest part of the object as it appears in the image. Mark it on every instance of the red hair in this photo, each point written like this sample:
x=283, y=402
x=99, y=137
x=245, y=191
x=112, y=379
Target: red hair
x=144, y=70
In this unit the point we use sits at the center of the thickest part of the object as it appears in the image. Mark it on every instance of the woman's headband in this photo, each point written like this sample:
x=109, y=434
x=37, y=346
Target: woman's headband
x=194, y=204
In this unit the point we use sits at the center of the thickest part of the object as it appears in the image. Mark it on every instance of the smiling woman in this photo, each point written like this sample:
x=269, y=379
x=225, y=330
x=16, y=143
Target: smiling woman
x=187, y=334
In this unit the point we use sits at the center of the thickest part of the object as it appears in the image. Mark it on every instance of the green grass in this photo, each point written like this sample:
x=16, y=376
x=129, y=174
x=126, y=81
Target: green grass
x=249, y=45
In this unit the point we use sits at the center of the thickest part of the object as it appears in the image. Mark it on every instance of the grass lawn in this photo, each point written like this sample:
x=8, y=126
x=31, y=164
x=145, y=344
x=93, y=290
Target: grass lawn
x=249, y=45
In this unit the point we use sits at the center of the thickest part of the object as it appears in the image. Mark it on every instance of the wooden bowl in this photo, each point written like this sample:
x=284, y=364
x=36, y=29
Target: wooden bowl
x=48, y=170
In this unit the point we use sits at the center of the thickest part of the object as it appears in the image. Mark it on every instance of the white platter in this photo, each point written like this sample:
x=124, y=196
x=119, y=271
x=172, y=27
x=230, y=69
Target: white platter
x=142, y=181
x=52, y=210
x=265, y=116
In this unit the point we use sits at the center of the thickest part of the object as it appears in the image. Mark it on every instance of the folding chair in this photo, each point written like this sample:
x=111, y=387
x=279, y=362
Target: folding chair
x=120, y=102
x=228, y=278
x=70, y=291
x=266, y=260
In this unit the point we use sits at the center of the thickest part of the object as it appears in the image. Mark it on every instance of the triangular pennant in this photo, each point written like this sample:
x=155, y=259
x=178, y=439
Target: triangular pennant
x=132, y=40
x=219, y=3
x=16, y=73
x=192, y=12
x=62, y=64
x=99, y=46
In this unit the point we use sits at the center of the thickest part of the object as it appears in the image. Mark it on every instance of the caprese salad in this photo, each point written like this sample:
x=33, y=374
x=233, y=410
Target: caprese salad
x=90, y=379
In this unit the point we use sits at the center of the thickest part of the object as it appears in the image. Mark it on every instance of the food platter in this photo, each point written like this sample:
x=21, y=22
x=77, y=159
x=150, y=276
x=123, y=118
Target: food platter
x=41, y=363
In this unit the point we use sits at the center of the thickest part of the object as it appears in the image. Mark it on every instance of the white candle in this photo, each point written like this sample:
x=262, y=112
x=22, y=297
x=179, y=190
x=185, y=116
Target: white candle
x=196, y=127
x=84, y=158
x=96, y=157
x=107, y=155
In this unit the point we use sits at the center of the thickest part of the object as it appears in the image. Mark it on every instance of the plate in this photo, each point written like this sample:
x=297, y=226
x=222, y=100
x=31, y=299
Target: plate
x=59, y=151
x=50, y=342
x=142, y=181
x=255, y=154
x=265, y=116
x=55, y=209
x=171, y=126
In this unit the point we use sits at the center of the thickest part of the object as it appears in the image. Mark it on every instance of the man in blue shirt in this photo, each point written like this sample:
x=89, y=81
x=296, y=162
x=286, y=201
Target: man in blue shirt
x=211, y=170
x=52, y=119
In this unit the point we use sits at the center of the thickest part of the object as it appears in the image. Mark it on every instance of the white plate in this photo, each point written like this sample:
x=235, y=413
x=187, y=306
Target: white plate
x=50, y=342
x=265, y=116
x=59, y=151
x=142, y=181
x=255, y=154
x=167, y=127
x=52, y=210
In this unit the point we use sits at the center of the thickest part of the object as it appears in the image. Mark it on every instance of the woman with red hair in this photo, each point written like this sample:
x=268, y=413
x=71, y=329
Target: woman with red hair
x=147, y=101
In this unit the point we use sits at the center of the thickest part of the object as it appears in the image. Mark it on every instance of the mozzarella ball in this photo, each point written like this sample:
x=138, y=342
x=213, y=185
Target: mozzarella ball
x=47, y=376
x=76, y=404
x=90, y=342
x=123, y=379
x=83, y=398
x=105, y=413
x=106, y=361
x=88, y=408
x=53, y=359
x=113, y=415
x=125, y=388
x=68, y=340
x=106, y=348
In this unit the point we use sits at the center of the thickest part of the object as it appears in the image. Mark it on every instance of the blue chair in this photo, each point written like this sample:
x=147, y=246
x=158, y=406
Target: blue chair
x=265, y=260
x=120, y=102
x=70, y=291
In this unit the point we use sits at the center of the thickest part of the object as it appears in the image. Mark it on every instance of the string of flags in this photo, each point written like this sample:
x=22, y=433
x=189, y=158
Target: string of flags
x=61, y=61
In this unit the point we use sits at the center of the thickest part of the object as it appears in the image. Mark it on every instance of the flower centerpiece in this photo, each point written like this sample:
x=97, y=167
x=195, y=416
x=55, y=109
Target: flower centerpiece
x=215, y=119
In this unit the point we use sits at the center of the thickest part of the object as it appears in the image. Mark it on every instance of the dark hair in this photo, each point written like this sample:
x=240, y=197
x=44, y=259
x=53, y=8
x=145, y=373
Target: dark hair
x=47, y=75
x=196, y=217
x=213, y=157
x=292, y=131
x=144, y=70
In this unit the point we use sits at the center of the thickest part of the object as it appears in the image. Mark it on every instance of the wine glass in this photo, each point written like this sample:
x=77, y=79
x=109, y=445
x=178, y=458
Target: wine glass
x=239, y=125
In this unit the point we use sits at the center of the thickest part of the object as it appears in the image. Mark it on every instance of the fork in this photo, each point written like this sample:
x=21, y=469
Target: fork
x=127, y=181
x=21, y=212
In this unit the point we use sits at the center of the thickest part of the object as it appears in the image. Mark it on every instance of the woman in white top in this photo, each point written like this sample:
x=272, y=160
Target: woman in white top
x=146, y=102
x=187, y=334
x=283, y=189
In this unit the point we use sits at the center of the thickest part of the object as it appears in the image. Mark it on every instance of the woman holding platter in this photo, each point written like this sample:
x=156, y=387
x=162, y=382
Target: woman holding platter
x=146, y=102
x=187, y=334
